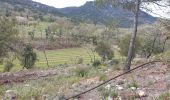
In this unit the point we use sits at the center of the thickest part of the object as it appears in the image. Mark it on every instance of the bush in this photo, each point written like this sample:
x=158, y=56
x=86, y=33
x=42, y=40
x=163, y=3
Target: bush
x=103, y=77
x=29, y=57
x=82, y=71
x=114, y=62
x=149, y=47
x=164, y=96
x=165, y=56
x=133, y=84
x=80, y=61
x=113, y=93
x=96, y=63
x=104, y=50
x=7, y=65
x=124, y=45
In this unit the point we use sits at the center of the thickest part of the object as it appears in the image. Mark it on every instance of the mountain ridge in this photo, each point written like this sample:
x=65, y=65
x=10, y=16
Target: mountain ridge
x=103, y=15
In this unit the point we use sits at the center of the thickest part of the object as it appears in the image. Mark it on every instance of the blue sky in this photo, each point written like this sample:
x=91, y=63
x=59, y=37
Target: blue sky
x=63, y=3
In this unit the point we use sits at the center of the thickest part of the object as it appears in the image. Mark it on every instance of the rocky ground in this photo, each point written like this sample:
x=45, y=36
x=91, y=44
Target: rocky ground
x=146, y=83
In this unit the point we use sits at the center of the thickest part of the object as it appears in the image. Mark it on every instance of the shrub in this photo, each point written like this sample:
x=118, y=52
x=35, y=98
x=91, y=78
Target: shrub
x=96, y=63
x=133, y=84
x=150, y=46
x=104, y=92
x=113, y=93
x=29, y=57
x=124, y=45
x=7, y=65
x=165, y=56
x=103, y=77
x=80, y=61
x=1, y=61
x=82, y=71
x=164, y=96
x=104, y=50
x=114, y=62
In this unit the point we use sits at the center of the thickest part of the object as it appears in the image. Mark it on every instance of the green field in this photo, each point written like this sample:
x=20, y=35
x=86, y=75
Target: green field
x=57, y=57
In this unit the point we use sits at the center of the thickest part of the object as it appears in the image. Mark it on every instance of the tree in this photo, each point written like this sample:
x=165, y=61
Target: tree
x=134, y=6
x=124, y=43
x=8, y=35
x=104, y=50
x=29, y=57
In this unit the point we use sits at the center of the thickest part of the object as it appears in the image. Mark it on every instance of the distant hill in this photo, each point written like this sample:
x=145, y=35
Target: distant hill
x=89, y=12
x=22, y=5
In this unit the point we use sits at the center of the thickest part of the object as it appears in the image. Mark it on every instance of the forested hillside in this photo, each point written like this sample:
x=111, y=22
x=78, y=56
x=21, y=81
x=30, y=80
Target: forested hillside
x=102, y=50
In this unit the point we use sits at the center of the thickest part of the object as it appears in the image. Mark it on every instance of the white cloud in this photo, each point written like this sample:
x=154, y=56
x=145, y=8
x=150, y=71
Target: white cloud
x=162, y=11
x=63, y=3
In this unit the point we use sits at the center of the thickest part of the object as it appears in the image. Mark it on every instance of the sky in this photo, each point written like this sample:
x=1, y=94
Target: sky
x=157, y=11
x=63, y=3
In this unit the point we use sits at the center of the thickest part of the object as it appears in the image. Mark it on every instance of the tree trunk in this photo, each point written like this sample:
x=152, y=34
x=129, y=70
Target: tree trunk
x=133, y=37
x=163, y=49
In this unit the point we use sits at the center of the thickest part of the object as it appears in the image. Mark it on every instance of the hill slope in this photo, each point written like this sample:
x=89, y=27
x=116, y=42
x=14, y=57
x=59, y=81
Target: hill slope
x=102, y=15
x=88, y=12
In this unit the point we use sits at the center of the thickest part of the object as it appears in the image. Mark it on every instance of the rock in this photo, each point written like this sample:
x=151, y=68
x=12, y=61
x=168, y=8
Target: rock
x=119, y=87
x=11, y=94
x=108, y=86
x=141, y=93
x=110, y=98
x=133, y=88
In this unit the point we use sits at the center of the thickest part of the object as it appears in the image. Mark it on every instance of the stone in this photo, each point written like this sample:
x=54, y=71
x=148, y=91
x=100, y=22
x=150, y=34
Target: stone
x=11, y=94
x=108, y=87
x=141, y=93
x=133, y=88
x=119, y=87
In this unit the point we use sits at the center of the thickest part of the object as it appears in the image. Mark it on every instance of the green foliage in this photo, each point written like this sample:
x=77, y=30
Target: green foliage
x=124, y=45
x=113, y=93
x=80, y=61
x=8, y=33
x=133, y=84
x=29, y=57
x=150, y=46
x=104, y=50
x=114, y=62
x=7, y=65
x=103, y=77
x=164, y=96
x=106, y=93
x=82, y=71
x=165, y=56
x=96, y=63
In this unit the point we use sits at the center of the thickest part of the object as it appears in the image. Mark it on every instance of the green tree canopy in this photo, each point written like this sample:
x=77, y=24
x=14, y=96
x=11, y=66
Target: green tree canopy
x=8, y=35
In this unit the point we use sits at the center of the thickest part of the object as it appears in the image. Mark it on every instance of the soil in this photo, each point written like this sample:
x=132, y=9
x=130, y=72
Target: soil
x=153, y=79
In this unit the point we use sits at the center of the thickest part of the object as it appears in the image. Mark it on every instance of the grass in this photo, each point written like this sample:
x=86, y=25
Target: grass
x=37, y=88
x=56, y=57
